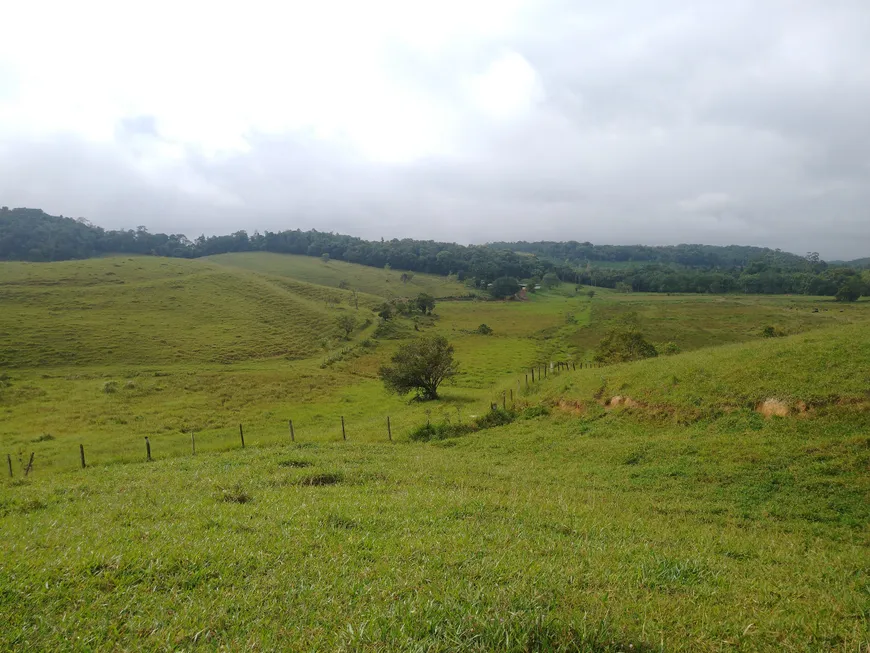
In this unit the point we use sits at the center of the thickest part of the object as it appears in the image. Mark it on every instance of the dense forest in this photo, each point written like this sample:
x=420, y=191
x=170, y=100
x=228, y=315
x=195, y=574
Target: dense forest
x=33, y=235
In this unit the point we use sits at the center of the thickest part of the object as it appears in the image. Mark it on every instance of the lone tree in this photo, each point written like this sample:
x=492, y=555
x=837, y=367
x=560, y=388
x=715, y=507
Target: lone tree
x=850, y=291
x=384, y=311
x=504, y=287
x=420, y=365
x=426, y=303
x=346, y=323
x=551, y=280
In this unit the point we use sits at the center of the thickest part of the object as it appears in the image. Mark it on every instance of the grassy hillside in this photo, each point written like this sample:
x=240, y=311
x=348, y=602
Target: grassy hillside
x=143, y=310
x=554, y=533
x=375, y=281
x=697, y=321
x=658, y=505
x=822, y=371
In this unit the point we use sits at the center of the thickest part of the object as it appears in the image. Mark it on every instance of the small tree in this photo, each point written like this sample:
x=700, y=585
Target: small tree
x=385, y=312
x=346, y=323
x=850, y=291
x=325, y=257
x=426, y=303
x=504, y=287
x=421, y=365
x=550, y=280
x=406, y=276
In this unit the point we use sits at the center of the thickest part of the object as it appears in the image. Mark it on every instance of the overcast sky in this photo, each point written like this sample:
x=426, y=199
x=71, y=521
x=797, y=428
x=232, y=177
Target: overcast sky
x=655, y=122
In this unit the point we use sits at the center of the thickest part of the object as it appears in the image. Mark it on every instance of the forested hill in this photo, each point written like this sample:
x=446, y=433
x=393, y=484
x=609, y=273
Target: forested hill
x=33, y=235
x=694, y=256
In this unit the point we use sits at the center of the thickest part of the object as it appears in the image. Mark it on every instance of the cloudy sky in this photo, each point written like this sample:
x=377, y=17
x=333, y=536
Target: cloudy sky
x=622, y=122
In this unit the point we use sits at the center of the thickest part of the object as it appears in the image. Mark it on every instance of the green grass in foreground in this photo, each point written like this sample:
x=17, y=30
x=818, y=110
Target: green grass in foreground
x=554, y=533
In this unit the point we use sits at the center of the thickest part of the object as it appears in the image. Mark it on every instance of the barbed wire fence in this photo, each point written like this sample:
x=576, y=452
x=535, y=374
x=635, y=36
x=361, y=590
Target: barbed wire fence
x=323, y=429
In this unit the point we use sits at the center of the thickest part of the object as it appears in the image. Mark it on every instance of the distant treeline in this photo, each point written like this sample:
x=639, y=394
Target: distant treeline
x=32, y=235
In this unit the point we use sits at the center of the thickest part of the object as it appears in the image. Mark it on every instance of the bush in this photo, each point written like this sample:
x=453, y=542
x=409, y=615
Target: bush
x=442, y=431
x=671, y=348
x=772, y=332
x=622, y=344
x=484, y=330
x=497, y=417
x=534, y=411
x=110, y=387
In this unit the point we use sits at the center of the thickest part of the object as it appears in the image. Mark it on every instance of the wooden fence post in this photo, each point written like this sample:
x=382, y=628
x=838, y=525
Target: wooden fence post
x=147, y=449
x=527, y=380
x=242, y=436
x=292, y=434
x=389, y=430
x=533, y=375
x=512, y=396
x=29, y=465
x=9, y=460
x=503, y=400
x=343, y=434
x=82, y=454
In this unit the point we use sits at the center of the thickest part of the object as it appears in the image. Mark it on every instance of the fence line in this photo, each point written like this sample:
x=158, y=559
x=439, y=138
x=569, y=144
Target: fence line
x=318, y=431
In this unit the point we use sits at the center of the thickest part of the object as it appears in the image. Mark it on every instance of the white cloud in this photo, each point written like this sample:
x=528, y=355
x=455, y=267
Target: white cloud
x=458, y=119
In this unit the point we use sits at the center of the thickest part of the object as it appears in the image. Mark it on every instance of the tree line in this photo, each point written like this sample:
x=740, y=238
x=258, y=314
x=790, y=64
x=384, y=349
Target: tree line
x=33, y=235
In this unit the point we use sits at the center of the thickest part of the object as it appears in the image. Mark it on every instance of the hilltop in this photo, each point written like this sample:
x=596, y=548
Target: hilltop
x=31, y=234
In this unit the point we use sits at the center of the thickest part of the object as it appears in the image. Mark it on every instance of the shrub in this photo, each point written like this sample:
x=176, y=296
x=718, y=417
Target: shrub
x=442, y=431
x=110, y=387
x=534, y=411
x=772, y=332
x=484, y=330
x=497, y=417
x=624, y=343
x=670, y=348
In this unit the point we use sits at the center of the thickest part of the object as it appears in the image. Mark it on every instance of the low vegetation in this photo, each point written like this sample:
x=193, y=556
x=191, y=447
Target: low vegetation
x=709, y=498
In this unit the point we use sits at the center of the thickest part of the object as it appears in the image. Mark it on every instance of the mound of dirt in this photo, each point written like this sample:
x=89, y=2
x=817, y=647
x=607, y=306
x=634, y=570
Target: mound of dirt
x=773, y=408
x=618, y=400
x=572, y=407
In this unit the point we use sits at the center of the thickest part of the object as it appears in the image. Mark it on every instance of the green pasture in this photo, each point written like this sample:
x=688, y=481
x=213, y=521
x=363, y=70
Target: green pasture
x=656, y=505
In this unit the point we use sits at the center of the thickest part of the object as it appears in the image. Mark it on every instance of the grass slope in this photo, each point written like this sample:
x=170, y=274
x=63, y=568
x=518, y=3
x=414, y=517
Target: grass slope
x=374, y=281
x=550, y=534
x=821, y=370
x=148, y=310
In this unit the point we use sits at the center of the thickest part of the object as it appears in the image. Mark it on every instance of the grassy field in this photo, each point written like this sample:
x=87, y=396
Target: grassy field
x=647, y=506
x=375, y=281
